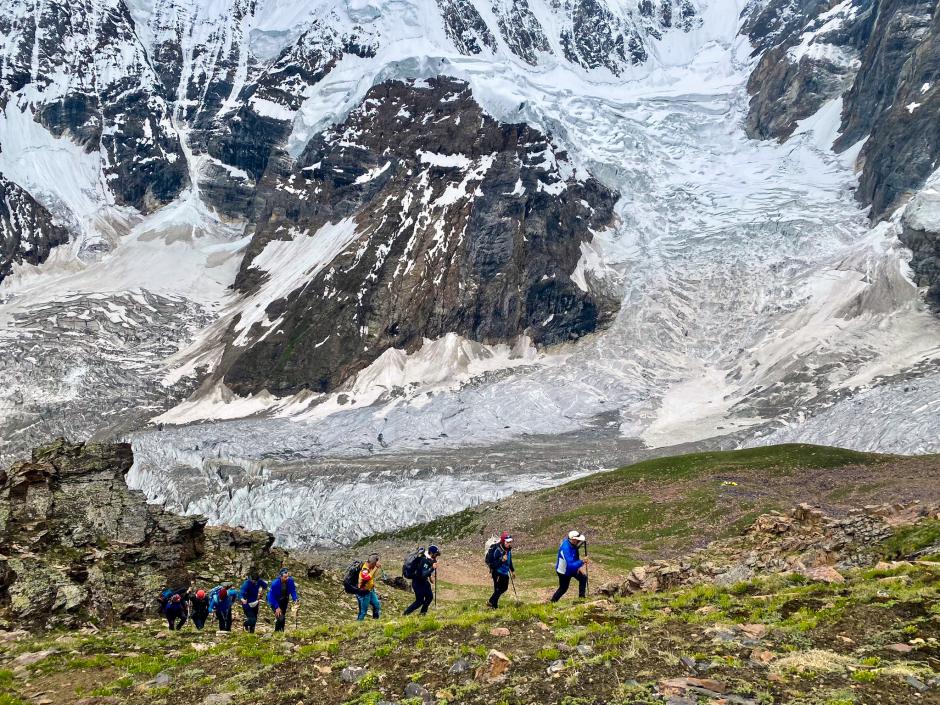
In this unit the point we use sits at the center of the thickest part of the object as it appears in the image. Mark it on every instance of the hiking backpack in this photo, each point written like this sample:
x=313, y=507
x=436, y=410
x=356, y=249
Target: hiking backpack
x=351, y=580
x=411, y=568
x=489, y=555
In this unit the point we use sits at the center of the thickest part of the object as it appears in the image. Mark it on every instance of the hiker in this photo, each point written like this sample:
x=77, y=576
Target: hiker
x=167, y=596
x=280, y=594
x=569, y=565
x=367, y=596
x=199, y=609
x=176, y=613
x=250, y=597
x=221, y=604
x=421, y=569
x=499, y=560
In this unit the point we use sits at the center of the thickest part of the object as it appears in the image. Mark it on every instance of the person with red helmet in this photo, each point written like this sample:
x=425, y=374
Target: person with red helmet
x=220, y=603
x=199, y=608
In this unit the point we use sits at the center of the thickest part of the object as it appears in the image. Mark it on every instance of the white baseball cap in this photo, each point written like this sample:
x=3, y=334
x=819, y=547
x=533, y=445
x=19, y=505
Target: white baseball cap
x=576, y=536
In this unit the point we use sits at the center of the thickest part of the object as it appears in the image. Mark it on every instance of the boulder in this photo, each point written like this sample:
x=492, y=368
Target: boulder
x=416, y=690
x=352, y=674
x=459, y=666
x=495, y=668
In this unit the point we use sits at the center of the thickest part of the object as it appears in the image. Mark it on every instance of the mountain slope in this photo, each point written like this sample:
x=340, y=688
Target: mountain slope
x=688, y=285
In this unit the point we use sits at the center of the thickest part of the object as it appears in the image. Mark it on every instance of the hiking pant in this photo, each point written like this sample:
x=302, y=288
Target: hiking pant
x=500, y=585
x=279, y=622
x=199, y=620
x=565, y=580
x=424, y=595
x=367, y=600
x=225, y=620
x=176, y=622
x=251, y=618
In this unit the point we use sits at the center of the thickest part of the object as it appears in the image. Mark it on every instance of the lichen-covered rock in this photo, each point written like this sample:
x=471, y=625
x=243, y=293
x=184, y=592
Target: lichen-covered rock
x=79, y=545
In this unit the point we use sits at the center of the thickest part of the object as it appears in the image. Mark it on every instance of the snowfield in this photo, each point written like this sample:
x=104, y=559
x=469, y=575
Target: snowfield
x=758, y=305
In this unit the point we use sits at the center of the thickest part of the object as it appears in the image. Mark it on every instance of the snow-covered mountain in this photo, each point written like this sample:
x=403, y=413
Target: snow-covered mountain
x=444, y=249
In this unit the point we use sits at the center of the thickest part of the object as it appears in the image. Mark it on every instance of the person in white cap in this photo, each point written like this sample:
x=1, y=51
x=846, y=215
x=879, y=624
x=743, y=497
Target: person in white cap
x=570, y=565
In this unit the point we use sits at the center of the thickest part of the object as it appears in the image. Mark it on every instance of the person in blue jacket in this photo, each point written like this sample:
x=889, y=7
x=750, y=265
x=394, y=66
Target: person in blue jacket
x=499, y=559
x=221, y=604
x=570, y=565
x=250, y=597
x=280, y=594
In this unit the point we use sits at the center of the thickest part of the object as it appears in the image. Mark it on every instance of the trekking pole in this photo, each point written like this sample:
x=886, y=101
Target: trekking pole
x=512, y=581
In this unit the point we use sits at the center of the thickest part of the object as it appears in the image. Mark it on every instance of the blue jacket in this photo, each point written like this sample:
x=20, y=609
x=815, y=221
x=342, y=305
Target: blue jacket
x=568, y=562
x=501, y=567
x=274, y=592
x=176, y=609
x=250, y=590
x=218, y=604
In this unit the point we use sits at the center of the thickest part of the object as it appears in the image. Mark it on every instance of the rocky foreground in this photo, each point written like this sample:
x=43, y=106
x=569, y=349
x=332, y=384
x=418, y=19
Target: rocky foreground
x=78, y=547
x=800, y=607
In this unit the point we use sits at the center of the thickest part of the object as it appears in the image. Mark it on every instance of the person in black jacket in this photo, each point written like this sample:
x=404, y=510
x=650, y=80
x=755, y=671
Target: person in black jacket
x=199, y=608
x=499, y=559
x=425, y=575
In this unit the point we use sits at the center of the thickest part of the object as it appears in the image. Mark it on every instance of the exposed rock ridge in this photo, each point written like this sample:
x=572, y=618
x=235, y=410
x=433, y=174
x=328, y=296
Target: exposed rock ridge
x=27, y=230
x=435, y=219
x=77, y=545
x=805, y=541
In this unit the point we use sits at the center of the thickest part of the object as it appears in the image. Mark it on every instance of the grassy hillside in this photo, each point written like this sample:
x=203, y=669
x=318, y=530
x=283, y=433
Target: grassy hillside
x=772, y=641
x=777, y=640
x=664, y=507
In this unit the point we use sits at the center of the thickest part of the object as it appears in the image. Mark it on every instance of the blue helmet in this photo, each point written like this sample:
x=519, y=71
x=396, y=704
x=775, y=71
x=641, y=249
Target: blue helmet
x=434, y=550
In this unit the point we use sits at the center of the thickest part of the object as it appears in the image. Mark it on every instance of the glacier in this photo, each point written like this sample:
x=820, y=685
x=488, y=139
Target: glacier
x=758, y=304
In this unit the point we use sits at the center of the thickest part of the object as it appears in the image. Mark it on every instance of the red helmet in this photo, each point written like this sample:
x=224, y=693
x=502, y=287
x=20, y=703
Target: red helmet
x=200, y=594
x=223, y=593
x=175, y=598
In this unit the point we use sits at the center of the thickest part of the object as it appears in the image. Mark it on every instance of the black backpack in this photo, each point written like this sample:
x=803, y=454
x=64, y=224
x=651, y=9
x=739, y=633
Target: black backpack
x=411, y=568
x=491, y=560
x=351, y=581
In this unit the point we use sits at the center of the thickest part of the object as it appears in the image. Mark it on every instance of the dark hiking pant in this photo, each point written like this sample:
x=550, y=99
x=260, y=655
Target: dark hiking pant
x=199, y=621
x=251, y=618
x=281, y=622
x=424, y=595
x=565, y=580
x=500, y=585
x=176, y=622
x=225, y=620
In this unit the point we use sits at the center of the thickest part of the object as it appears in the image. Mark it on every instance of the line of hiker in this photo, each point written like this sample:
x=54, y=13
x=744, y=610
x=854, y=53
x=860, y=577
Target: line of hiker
x=183, y=604
x=421, y=566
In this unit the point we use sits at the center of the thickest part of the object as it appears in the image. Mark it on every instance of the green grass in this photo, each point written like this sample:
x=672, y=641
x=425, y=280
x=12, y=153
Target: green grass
x=784, y=458
x=912, y=539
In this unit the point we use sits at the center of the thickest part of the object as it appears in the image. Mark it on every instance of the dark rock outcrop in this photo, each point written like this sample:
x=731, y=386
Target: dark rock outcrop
x=457, y=223
x=896, y=100
x=76, y=545
x=102, y=94
x=27, y=230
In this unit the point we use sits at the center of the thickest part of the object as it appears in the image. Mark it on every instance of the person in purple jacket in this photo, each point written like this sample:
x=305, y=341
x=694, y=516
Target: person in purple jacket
x=570, y=565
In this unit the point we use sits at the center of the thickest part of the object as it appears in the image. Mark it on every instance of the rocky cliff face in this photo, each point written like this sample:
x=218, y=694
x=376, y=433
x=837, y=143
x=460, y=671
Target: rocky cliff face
x=80, y=69
x=27, y=230
x=419, y=216
x=883, y=59
x=77, y=545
